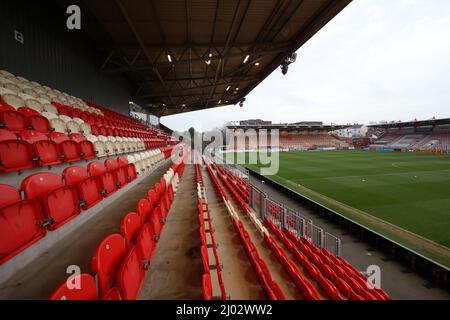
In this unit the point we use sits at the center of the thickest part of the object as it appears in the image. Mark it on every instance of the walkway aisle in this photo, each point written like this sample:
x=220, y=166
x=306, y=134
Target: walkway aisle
x=176, y=270
x=238, y=275
x=276, y=269
x=39, y=279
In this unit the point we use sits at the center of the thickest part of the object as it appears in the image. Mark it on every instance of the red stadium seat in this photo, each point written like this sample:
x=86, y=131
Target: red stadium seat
x=77, y=137
x=86, y=291
x=129, y=228
x=95, y=130
x=106, y=179
x=87, y=187
x=112, y=294
x=13, y=121
x=46, y=152
x=146, y=244
x=131, y=276
x=87, y=149
x=14, y=154
x=6, y=107
x=69, y=149
x=20, y=223
x=207, y=287
x=59, y=203
x=277, y=290
x=9, y=196
x=113, y=166
x=28, y=111
x=155, y=220
x=205, y=258
x=39, y=123
x=144, y=210
x=107, y=260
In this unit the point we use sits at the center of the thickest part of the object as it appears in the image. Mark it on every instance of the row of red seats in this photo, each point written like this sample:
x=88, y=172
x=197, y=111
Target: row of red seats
x=22, y=119
x=304, y=285
x=241, y=185
x=270, y=287
x=51, y=200
x=208, y=242
x=218, y=188
x=121, y=261
x=349, y=281
x=244, y=206
x=31, y=148
x=99, y=121
x=334, y=280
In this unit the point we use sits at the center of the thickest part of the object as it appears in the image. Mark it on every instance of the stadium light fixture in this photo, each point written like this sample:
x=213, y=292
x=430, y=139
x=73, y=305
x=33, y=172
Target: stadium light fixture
x=208, y=62
x=220, y=101
x=169, y=57
x=228, y=88
x=246, y=58
x=257, y=64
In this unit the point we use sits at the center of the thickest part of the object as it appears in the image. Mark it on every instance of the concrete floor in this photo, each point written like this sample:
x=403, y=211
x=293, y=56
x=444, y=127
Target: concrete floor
x=176, y=270
x=396, y=279
x=39, y=279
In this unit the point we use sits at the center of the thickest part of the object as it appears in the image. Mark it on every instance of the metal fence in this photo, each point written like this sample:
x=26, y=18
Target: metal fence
x=274, y=212
x=332, y=244
x=286, y=218
x=257, y=199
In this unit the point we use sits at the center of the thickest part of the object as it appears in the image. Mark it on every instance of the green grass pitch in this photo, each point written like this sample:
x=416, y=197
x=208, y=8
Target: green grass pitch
x=409, y=190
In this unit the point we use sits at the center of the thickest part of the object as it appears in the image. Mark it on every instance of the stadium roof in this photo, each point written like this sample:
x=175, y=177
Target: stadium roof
x=410, y=124
x=182, y=55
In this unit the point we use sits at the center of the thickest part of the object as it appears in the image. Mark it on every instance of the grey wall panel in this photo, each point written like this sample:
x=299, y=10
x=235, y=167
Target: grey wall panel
x=55, y=56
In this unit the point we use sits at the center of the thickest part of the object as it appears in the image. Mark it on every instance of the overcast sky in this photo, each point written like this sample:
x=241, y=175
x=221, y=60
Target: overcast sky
x=377, y=60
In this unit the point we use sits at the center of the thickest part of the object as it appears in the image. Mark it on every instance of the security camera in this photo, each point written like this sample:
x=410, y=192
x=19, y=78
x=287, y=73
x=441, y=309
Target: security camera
x=241, y=103
x=291, y=58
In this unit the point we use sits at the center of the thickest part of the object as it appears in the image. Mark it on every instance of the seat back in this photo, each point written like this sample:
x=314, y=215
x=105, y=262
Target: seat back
x=59, y=203
x=87, y=187
x=107, y=260
x=87, y=149
x=205, y=258
x=129, y=228
x=47, y=152
x=105, y=178
x=131, y=275
x=70, y=150
x=28, y=111
x=9, y=196
x=14, y=154
x=13, y=120
x=144, y=210
x=86, y=290
x=111, y=165
x=145, y=242
x=207, y=286
x=96, y=168
x=20, y=224
x=38, y=185
x=74, y=175
x=39, y=123
x=77, y=137
x=32, y=136
x=112, y=294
